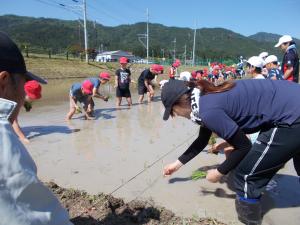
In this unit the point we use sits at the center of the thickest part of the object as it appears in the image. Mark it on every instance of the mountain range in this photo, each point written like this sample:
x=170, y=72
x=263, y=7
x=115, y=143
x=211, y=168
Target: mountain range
x=59, y=36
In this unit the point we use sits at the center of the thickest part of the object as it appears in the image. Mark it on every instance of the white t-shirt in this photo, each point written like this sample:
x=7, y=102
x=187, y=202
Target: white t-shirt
x=259, y=76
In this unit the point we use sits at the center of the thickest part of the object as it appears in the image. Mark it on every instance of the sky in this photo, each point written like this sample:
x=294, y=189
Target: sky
x=246, y=17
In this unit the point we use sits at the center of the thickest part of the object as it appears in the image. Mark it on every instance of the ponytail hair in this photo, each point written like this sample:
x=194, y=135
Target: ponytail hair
x=207, y=87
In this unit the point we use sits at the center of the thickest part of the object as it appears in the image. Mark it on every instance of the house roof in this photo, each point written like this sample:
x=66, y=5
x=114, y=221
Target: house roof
x=117, y=52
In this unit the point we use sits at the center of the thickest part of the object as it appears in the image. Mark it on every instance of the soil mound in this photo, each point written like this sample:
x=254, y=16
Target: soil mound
x=101, y=209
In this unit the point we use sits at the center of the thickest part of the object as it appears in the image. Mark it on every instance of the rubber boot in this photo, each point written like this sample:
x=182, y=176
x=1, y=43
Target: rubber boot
x=249, y=213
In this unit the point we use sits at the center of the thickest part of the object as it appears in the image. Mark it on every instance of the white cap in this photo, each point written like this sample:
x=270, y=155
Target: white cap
x=263, y=54
x=283, y=39
x=162, y=83
x=271, y=58
x=256, y=61
x=185, y=76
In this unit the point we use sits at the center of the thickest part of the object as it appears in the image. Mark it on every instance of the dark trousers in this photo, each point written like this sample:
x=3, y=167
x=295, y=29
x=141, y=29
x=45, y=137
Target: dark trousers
x=272, y=149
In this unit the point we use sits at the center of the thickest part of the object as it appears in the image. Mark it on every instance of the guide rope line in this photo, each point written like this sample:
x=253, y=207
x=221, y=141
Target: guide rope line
x=152, y=164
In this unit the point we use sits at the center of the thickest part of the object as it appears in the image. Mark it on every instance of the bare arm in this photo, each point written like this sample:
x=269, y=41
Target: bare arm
x=148, y=85
x=116, y=81
x=288, y=72
x=19, y=132
x=96, y=94
x=72, y=99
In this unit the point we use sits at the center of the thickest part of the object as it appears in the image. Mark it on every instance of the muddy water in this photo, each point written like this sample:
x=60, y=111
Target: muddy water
x=123, y=152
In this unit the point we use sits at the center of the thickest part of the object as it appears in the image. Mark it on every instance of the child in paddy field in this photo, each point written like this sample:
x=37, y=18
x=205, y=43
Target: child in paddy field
x=81, y=93
x=144, y=82
x=122, y=82
x=33, y=92
x=103, y=78
x=173, y=71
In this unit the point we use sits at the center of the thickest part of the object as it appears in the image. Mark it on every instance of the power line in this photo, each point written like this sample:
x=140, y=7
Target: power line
x=120, y=20
x=57, y=5
x=74, y=9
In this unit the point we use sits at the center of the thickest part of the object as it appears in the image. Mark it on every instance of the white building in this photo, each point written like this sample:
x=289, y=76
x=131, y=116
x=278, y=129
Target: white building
x=113, y=56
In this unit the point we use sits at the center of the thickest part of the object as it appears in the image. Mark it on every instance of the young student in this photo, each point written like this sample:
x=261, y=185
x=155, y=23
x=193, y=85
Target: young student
x=254, y=67
x=144, y=82
x=185, y=76
x=33, y=91
x=173, y=71
x=197, y=74
x=272, y=66
x=103, y=78
x=81, y=93
x=122, y=82
x=290, y=62
x=263, y=55
x=232, y=110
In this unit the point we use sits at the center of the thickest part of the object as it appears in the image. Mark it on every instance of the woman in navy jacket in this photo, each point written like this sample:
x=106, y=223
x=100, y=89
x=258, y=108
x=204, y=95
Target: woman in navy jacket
x=232, y=110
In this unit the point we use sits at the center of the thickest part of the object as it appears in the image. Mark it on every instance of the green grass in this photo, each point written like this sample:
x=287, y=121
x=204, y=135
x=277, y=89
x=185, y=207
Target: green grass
x=60, y=68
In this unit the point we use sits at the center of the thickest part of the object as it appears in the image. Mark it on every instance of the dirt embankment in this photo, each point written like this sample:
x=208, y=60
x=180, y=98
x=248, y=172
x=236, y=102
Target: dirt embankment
x=85, y=209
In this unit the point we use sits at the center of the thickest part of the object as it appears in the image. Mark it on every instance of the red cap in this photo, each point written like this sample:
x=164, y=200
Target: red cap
x=194, y=74
x=157, y=68
x=177, y=61
x=33, y=89
x=104, y=75
x=175, y=64
x=123, y=60
x=87, y=87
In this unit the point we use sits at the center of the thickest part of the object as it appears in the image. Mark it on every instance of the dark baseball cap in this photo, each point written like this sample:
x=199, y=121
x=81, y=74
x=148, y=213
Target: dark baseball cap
x=170, y=93
x=11, y=59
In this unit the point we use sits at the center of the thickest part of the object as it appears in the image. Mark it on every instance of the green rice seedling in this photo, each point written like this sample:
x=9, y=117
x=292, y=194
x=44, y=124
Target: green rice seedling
x=198, y=174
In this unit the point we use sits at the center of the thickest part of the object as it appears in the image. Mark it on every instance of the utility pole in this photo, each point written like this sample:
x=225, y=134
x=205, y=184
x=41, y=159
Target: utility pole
x=85, y=33
x=96, y=35
x=194, y=45
x=185, y=54
x=80, y=8
x=147, y=36
x=79, y=36
x=163, y=53
x=174, y=49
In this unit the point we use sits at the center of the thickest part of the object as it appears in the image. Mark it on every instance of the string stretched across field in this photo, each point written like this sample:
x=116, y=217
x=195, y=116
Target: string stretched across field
x=152, y=164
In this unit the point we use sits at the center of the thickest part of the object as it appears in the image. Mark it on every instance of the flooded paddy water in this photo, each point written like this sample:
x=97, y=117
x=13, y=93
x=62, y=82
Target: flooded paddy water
x=123, y=151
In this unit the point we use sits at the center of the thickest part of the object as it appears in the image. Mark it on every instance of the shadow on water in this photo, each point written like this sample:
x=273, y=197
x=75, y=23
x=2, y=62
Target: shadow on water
x=285, y=195
x=156, y=99
x=106, y=113
x=36, y=131
x=179, y=179
x=183, y=179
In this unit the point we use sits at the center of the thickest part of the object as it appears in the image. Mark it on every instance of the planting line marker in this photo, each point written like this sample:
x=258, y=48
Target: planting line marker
x=152, y=164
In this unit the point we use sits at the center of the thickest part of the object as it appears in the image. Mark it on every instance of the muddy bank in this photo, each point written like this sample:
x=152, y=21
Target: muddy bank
x=85, y=209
